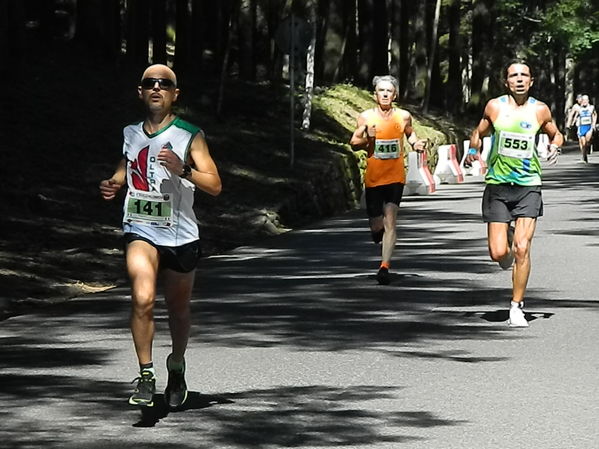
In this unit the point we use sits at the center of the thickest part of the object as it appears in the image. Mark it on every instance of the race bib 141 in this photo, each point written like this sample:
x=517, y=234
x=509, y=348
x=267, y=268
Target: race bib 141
x=149, y=208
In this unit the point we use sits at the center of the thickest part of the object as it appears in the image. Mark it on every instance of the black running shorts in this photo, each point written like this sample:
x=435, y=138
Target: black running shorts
x=182, y=259
x=377, y=197
x=503, y=203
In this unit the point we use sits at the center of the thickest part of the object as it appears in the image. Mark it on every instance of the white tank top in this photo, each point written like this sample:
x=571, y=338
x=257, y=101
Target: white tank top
x=159, y=204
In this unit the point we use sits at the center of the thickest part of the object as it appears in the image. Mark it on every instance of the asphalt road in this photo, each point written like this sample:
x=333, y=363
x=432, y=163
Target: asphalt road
x=294, y=344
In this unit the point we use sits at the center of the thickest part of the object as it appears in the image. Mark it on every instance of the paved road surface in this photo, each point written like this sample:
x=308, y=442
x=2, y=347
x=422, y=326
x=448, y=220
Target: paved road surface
x=294, y=344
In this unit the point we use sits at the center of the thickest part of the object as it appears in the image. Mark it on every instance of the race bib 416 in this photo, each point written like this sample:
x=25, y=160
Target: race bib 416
x=386, y=148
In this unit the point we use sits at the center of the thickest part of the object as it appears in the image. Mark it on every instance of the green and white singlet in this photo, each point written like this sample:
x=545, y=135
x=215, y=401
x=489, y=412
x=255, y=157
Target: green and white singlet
x=513, y=158
x=159, y=204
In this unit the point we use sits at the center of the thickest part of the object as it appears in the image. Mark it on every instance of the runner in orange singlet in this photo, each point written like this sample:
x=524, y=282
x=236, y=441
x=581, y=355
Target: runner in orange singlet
x=381, y=132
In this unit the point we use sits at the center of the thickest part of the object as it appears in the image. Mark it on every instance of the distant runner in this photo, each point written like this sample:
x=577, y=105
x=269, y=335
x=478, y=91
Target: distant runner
x=381, y=131
x=587, y=119
x=513, y=180
x=164, y=160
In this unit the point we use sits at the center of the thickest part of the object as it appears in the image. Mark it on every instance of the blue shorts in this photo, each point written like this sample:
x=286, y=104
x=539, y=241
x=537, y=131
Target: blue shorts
x=583, y=130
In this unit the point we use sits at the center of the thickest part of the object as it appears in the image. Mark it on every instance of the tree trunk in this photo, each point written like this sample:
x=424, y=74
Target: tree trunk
x=183, y=37
x=159, y=31
x=197, y=37
x=431, y=57
x=309, y=88
x=394, y=8
x=226, y=51
x=246, y=41
x=405, y=43
x=419, y=68
x=138, y=30
x=98, y=27
x=365, y=42
x=482, y=35
x=380, y=30
x=347, y=18
x=569, y=74
x=454, y=97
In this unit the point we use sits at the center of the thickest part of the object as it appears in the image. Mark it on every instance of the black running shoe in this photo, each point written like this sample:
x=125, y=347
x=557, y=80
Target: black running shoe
x=383, y=276
x=176, y=388
x=144, y=390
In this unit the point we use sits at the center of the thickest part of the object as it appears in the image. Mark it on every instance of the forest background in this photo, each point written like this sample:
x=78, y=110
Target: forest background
x=70, y=69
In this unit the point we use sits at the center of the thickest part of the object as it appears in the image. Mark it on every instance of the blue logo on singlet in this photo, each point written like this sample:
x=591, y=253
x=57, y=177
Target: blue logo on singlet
x=525, y=125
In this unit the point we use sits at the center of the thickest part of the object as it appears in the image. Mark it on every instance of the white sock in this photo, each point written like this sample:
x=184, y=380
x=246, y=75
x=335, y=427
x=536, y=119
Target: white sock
x=516, y=305
x=151, y=369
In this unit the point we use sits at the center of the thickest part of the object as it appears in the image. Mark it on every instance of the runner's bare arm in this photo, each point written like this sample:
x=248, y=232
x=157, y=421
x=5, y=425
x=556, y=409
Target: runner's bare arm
x=484, y=128
x=364, y=136
x=418, y=144
x=205, y=175
x=548, y=126
x=109, y=187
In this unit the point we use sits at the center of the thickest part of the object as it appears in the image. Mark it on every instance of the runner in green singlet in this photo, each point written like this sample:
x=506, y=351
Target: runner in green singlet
x=513, y=190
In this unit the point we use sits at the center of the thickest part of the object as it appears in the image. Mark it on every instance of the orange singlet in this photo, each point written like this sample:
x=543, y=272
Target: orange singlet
x=386, y=165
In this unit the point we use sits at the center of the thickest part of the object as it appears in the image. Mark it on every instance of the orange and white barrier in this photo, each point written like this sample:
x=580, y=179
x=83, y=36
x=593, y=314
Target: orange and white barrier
x=448, y=168
x=419, y=180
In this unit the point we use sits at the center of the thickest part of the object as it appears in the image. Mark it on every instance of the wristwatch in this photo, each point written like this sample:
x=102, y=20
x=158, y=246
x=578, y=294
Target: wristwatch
x=186, y=171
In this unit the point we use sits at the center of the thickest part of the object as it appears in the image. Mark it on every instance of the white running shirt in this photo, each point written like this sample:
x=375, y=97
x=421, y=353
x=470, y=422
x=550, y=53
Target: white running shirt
x=159, y=204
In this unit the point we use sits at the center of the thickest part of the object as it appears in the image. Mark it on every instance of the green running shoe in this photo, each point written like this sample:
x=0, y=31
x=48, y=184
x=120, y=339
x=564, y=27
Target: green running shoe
x=144, y=390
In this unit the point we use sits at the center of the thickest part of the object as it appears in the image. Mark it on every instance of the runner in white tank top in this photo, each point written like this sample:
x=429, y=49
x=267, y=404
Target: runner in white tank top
x=159, y=203
x=164, y=160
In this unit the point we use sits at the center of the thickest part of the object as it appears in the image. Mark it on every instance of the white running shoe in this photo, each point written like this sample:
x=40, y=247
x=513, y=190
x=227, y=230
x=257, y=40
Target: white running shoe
x=507, y=262
x=517, y=318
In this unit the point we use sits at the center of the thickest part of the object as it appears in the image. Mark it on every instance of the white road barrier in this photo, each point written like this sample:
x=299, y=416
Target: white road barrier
x=478, y=169
x=448, y=168
x=419, y=180
x=543, y=146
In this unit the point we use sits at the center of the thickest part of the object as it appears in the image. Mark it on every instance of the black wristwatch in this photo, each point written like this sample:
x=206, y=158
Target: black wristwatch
x=186, y=171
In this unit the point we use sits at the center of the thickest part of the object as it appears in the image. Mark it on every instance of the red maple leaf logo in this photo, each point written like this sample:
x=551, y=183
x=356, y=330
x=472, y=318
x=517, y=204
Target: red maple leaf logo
x=139, y=170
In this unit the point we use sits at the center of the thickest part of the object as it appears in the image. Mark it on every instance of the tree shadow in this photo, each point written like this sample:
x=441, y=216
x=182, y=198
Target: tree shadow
x=150, y=416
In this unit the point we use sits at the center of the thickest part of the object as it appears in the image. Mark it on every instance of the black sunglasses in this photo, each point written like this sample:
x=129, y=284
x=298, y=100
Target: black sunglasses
x=163, y=83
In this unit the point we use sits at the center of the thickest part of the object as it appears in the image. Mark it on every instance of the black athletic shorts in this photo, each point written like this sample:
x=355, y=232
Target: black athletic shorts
x=503, y=203
x=182, y=259
x=377, y=197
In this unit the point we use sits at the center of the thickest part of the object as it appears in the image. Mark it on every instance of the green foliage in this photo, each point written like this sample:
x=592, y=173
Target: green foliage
x=343, y=102
x=574, y=23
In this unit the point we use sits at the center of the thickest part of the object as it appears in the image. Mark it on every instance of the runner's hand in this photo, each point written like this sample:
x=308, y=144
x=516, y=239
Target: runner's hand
x=471, y=156
x=171, y=161
x=109, y=188
x=419, y=145
x=553, y=153
x=370, y=131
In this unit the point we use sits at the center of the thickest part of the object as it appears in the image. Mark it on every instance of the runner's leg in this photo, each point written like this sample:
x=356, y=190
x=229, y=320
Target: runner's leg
x=497, y=240
x=390, y=237
x=142, y=266
x=177, y=291
x=524, y=232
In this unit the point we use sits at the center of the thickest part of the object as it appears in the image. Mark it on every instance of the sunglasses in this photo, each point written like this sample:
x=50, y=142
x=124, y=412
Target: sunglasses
x=163, y=83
